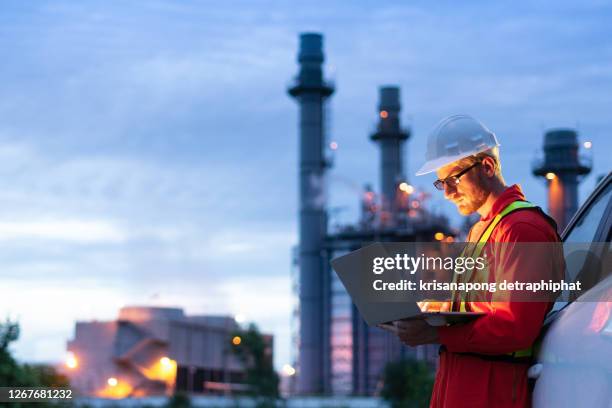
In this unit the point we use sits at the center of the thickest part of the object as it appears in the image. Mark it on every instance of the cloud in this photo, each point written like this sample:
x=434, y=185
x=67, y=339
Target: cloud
x=77, y=231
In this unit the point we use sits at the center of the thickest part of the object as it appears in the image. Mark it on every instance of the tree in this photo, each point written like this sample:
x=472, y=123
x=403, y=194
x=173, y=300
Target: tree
x=407, y=384
x=256, y=354
x=10, y=372
x=13, y=374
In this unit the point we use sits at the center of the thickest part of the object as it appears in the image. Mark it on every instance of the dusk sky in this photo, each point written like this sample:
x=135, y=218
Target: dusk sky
x=148, y=150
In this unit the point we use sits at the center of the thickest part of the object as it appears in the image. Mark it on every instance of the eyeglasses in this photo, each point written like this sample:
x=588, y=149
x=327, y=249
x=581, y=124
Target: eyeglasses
x=454, y=179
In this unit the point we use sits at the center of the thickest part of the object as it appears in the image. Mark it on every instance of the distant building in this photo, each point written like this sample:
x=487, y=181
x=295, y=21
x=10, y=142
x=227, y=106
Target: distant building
x=156, y=351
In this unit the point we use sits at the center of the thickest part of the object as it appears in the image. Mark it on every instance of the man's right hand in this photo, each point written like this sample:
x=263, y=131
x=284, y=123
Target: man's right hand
x=434, y=306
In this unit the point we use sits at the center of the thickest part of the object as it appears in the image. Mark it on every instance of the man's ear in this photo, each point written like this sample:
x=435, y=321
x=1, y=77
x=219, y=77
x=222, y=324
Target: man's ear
x=488, y=166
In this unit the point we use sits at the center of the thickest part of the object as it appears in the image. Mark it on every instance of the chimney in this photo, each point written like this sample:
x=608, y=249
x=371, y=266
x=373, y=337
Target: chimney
x=562, y=167
x=311, y=90
x=390, y=136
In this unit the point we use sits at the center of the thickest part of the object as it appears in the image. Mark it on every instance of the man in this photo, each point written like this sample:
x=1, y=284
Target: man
x=484, y=363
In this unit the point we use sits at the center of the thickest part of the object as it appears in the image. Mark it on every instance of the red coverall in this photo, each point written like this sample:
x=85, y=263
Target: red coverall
x=471, y=381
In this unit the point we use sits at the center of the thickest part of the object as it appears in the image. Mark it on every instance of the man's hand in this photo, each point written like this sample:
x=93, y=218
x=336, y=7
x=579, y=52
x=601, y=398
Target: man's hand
x=416, y=332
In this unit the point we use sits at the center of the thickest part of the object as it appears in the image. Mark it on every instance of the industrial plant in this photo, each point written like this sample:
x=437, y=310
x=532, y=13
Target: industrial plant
x=160, y=351
x=335, y=352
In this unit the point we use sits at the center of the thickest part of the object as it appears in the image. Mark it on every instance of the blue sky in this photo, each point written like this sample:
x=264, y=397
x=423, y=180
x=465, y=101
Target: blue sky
x=148, y=150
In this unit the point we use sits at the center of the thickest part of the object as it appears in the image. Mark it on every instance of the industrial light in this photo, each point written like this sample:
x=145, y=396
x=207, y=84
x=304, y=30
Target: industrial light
x=236, y=340
x=71, y=361
x=333, y=145
x=384, y=114
x=240, y=318
x=115, y=389
x=163, y=369
x=406, y=188
x=587, y=145
x=439, y=236
x=550, y=176
x=288, y=370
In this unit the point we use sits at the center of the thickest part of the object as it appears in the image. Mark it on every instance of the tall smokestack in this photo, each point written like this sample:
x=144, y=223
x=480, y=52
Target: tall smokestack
x=311, y=90
x=390, y=136
x=562, y=166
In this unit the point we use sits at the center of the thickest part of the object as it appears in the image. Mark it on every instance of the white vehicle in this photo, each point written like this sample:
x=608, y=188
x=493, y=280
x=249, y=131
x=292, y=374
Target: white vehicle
x=574, y=365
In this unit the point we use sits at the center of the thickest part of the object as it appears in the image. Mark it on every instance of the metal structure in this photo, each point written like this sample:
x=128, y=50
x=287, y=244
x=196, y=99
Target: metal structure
x=337, y=352
x=311, y=90
x=562, y=166
x=390, y=137
x=359, y=353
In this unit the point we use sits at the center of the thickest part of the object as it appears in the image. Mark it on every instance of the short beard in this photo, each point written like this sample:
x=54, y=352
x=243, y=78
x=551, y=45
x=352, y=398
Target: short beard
x=477, y=200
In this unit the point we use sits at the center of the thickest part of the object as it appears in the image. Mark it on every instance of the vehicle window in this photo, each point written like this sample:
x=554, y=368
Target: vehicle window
x=584, y=230
x=582, y=259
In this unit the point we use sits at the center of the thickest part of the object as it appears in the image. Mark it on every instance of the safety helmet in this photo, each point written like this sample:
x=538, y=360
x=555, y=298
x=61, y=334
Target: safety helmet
x=454, y=138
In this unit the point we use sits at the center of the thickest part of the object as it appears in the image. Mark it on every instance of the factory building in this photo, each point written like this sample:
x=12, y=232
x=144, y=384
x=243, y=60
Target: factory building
x=337, y=353
x=156, y=351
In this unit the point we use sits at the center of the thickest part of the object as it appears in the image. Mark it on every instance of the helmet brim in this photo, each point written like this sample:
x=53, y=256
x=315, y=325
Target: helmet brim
x=433, y=165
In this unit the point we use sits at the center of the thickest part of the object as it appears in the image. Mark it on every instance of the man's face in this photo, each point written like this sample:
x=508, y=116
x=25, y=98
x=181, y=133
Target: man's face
x=470, y=194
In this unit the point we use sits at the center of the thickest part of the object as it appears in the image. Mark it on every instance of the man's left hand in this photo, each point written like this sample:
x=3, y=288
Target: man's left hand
x=416, y=332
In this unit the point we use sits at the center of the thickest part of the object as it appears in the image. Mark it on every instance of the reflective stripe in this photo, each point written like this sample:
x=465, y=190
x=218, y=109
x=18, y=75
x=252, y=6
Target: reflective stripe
x=513, y=206
x=516, y=205
x=523, y=353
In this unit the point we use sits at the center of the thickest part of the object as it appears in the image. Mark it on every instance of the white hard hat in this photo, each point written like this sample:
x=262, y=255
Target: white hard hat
x=454, y=138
